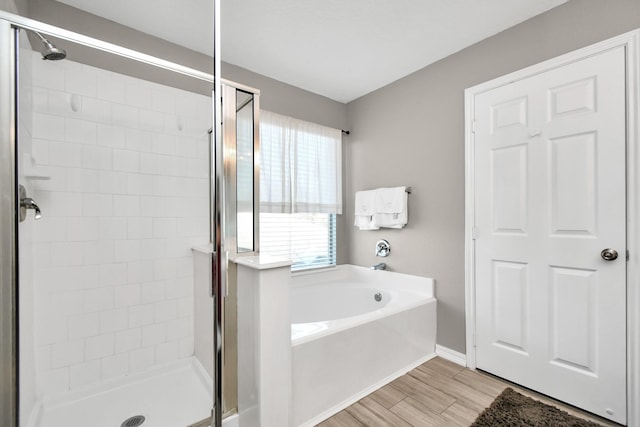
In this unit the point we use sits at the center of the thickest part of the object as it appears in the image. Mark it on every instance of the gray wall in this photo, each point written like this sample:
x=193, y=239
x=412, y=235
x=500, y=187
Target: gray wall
x=289, y=100
x=70, y=18
x=411, y=132
x=14, y=6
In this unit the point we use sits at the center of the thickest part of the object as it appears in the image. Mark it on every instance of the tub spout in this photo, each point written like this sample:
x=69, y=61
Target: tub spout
x=379, y=266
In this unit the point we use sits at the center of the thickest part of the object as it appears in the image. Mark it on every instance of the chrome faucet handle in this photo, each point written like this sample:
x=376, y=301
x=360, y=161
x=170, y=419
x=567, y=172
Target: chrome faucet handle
x=383, y=248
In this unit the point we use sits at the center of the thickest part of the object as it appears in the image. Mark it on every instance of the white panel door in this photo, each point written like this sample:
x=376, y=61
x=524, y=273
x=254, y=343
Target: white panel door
x=550, y=196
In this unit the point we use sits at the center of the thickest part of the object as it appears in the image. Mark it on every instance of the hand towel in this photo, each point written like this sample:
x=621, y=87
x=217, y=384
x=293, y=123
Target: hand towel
x=365, y=202
x=390, y=200
x=391, y=207
x=365, y=223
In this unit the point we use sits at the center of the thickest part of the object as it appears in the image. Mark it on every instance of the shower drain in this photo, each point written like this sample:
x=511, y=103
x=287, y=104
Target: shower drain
x=134, y=421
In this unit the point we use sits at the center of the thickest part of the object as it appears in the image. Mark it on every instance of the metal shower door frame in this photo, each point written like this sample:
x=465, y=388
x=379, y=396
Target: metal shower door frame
x=9, y=26
x=8, y=229
x=217, y=275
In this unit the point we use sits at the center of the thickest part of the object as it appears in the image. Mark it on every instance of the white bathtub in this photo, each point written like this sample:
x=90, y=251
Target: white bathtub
x=346, y=344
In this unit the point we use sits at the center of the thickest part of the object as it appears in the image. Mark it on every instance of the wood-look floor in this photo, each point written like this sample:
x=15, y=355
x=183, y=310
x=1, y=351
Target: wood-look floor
x=436, y=393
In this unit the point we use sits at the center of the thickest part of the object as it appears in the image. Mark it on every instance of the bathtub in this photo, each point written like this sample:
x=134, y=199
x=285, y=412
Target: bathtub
x=353, y=330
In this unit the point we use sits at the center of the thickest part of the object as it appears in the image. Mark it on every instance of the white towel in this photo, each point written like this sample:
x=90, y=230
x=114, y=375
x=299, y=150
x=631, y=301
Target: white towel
x=389, y=220
x=390, y=200
x=391, y=207
x=365, y=202
x=365, y=223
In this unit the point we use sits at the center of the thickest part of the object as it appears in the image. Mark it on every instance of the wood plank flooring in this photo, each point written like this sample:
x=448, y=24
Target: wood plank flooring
x=436, y=393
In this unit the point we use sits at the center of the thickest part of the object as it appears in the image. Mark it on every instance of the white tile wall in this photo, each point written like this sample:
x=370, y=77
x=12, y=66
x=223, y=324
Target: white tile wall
x=126, y=199
x=84, y=373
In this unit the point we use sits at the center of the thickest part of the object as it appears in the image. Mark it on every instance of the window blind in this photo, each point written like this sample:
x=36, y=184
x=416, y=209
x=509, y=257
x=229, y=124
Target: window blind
x=309, y=239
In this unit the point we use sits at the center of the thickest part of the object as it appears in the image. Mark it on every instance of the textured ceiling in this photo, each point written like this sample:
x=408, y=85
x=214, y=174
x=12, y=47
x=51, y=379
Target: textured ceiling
x=341, y=49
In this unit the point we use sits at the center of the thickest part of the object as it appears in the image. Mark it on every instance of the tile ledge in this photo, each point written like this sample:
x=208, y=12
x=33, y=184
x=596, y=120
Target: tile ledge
x=263, y=262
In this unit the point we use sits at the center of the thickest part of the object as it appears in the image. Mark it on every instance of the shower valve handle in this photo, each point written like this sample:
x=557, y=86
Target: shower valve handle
x=27, y=203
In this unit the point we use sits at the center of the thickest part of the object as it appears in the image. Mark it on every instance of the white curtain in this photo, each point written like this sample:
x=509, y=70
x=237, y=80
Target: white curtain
x=300, y=166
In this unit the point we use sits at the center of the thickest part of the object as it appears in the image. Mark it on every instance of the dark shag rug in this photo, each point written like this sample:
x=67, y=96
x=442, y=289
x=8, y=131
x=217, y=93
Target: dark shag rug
x=515, y=410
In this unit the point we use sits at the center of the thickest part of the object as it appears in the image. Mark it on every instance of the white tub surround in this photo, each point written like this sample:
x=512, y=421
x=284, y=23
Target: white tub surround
x=264, y=341
x=346, y=344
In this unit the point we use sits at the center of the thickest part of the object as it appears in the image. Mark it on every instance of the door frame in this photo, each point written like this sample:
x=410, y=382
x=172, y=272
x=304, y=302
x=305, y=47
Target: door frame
x=631, y=42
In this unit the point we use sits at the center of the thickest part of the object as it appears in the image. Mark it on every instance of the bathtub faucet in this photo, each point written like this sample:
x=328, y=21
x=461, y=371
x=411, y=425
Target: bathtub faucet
x=379, y=266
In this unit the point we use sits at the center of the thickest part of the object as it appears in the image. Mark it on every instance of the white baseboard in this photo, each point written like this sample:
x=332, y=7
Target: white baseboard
x=451, y=355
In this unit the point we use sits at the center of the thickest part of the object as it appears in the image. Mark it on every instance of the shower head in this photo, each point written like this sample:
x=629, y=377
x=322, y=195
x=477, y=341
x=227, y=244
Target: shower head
x=49, y=51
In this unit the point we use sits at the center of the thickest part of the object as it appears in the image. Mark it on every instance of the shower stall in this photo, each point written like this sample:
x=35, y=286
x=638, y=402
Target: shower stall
x=108, y=179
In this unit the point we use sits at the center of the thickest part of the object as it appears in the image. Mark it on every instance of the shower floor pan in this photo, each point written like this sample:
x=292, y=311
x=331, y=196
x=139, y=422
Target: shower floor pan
x=175, y=395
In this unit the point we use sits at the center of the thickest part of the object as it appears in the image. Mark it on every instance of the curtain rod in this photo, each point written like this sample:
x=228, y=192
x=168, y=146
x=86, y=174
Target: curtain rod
x=346, y=132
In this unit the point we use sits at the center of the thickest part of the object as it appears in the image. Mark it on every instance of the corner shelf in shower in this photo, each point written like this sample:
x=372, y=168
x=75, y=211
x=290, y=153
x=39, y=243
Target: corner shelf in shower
x=36, y=177
x=31, y=171
x=35, y=174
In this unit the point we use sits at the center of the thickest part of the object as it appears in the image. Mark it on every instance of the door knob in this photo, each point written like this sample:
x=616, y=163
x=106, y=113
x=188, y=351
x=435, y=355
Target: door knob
x=609, y=254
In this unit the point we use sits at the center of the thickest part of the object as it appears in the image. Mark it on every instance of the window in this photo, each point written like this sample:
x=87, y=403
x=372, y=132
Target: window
x=300, y=190
x=309, y=239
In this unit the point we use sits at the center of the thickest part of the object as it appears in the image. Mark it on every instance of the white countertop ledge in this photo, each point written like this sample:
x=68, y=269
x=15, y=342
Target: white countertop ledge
x=263, y=262
x=205, y=249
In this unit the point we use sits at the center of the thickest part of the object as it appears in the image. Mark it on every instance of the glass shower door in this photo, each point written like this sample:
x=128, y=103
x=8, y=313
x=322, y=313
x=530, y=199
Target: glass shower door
x=117, y=164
